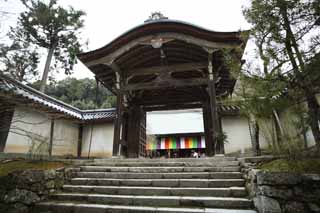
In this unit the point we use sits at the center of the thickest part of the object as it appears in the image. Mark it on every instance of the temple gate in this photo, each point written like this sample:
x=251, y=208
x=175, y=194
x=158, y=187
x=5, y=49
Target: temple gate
x=164, y=65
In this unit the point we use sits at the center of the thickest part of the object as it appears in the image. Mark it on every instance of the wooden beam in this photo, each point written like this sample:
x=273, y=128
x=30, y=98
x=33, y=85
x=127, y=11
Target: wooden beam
x=166, y=84
x=169, y=68
x=173, y=107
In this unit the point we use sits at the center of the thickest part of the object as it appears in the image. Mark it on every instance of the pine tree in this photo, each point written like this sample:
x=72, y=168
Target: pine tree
x=19, y=61
x=287, y=36
x=51, y=27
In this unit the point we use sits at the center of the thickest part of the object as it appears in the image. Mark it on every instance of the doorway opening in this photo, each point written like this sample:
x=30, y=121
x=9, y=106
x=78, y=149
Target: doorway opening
x=175, y=134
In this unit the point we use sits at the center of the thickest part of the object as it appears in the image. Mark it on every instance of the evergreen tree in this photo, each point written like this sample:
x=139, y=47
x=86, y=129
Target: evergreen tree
x=51, y=27
x=19, y=61
x=287, y=36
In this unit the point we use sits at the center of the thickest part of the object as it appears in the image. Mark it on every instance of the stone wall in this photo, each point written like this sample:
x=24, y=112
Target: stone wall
x=20, y=190
x=280, y=192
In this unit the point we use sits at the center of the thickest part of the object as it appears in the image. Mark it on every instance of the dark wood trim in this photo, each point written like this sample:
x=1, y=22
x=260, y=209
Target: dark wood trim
x=117, y=126
x=172, y=107
x=169, y=68
x=51, y=137
x=208, y=131
x=80, y=136
x=167, y=84
x=134, y=120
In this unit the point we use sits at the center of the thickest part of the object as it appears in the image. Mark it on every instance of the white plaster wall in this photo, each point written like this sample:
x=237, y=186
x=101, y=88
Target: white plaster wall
x=102, y=140
x=65, y=138
x=238, y=135
x=27, y=126
x=30, y=131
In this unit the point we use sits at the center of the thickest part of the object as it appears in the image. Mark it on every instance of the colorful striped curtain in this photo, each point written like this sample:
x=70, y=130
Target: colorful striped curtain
x=177, y=143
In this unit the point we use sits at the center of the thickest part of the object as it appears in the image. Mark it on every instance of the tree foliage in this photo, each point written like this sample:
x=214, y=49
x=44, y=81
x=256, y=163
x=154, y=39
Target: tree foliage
x=286, y=34
x=80, y=93
x=54, y=28
x=19, y=61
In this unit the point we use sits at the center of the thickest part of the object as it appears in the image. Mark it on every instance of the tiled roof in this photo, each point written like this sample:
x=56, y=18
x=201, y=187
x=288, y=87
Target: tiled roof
x=11, y=87
x=98, y=114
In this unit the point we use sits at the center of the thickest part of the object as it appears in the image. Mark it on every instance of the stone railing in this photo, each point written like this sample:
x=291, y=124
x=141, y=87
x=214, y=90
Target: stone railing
x=279, y=192
x=20, y=190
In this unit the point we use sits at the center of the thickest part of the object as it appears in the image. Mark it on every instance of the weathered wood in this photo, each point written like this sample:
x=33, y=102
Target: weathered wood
x=142, y=134
x=207, y=124
x=169, y=68
x=173, y=106
x=51, y=137
x=167, y=84
x=80, y=134
x=117, y=125
x=134, y=120
x=169, y=101
x=215, y=117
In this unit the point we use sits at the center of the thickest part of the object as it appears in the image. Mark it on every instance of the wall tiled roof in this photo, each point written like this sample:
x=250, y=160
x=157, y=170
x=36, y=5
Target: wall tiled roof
x=12, y=88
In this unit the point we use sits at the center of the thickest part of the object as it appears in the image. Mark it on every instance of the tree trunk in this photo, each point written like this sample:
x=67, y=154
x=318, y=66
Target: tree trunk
x=313, y=111
x=46, y=70
x=257, y=140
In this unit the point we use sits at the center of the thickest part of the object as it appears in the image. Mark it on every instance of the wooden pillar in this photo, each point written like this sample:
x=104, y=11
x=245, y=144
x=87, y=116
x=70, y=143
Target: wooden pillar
x=124, y=134
x=117, y=126
x=118, y=120
x=214, y=107
x=207, y=124
x=143, y=134
x=80, y=133
x=51, y=137
x=134, y=120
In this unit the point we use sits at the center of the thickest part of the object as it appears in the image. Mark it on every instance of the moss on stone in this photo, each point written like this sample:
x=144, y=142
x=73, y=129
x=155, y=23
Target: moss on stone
x=8, y=167
x=294, y=166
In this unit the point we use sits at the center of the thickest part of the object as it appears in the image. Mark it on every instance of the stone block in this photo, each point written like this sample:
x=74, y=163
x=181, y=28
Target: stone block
x=277, y=178
x=295, y=207
x=49, y=174
x=21, y=196
x=276, y=192
x=266, y=204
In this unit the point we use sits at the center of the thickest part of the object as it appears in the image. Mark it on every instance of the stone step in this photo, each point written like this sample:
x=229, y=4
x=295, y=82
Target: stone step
x=159, y=201
x=65, y=207
x=204, y=183
x=185, y=175
x=159, y=191
x=166, y=169
x=194, y=163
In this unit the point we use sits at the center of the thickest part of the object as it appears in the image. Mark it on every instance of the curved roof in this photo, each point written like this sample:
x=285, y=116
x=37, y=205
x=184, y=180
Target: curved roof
x=160, y=26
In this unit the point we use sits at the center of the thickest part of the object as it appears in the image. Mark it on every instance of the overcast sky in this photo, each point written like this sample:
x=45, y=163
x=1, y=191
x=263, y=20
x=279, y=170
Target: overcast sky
x=105, y=20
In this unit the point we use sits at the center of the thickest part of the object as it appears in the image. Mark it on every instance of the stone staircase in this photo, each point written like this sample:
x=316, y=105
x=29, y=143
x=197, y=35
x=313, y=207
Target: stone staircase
x=153, y=185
